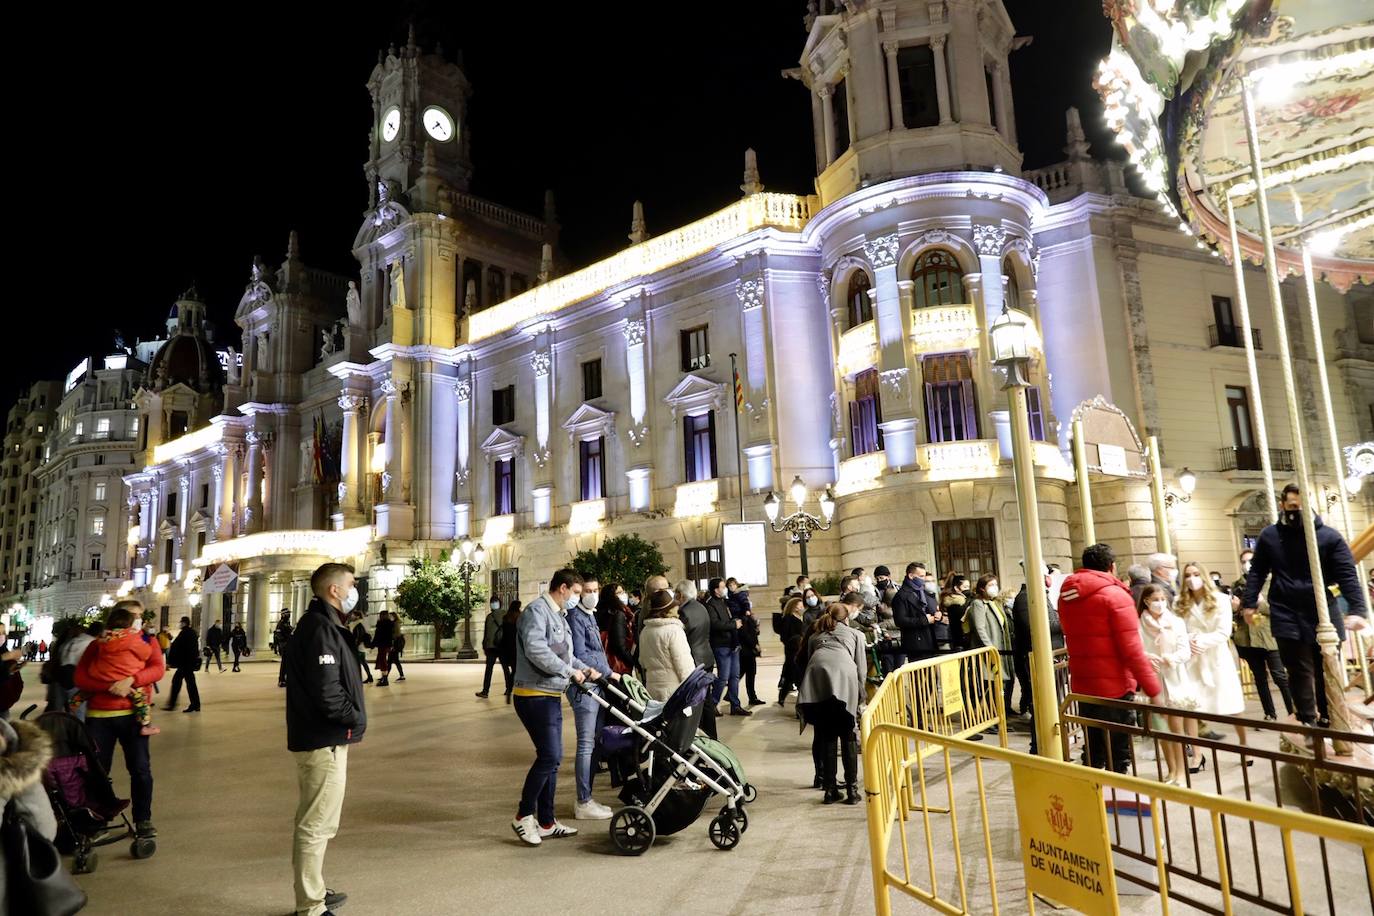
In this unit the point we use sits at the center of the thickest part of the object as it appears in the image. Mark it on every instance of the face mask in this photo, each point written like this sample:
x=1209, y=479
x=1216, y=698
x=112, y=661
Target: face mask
x=1292, y=516
x=930, y=587
x=1159, y=607
x=351, y=599
x=496, y=605
x=1171, y=576
x=812, y=602
x=633, y=602
x=1195, y=583
x=720, y=593
x=620, y=596
x=571, y=603
x=589, y=600
x=1245, y=567
x=993, y=590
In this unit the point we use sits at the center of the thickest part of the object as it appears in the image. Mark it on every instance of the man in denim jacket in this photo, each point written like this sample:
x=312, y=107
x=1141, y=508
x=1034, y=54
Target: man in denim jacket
x=544, y=664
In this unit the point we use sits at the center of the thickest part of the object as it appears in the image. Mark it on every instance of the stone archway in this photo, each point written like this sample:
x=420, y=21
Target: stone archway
x=1249, y=516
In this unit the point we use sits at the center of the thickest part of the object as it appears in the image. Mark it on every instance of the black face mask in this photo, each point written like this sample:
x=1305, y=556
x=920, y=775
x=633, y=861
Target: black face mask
x=1292, y=516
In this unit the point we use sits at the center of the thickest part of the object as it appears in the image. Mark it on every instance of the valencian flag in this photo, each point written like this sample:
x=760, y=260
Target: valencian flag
x=739, y=391
x=317, y=450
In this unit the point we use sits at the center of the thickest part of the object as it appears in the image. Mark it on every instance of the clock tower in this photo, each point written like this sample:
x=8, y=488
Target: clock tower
x=418, y=99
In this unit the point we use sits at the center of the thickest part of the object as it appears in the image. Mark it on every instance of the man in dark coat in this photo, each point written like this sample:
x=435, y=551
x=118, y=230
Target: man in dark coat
x=280, y=637
x=697, y=622
x=325, y=713
x=184, y=655
x=1021, y=648
x=214, y=641
x=913, y=610
x=1281, y=557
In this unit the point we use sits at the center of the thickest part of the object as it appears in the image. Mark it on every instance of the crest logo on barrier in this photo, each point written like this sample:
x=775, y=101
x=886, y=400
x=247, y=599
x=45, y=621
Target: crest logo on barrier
x=1059, y=819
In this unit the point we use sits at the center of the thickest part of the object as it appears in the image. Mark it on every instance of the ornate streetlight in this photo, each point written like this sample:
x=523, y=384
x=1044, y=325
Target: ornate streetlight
x=1011, y=336
x=473, y=556
x=801, y=523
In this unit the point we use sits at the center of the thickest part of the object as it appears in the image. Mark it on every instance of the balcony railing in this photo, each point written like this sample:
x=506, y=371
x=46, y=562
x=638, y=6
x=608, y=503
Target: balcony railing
x=1247, y=458
x=1226, y=335
x=944, y=327
x=859, y=348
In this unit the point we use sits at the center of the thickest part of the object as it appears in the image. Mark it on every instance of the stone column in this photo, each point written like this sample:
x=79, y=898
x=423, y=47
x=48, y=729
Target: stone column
x=391, y=474
x=541, y=364
x=899, y=426
x=894, y=85
x=260, y=613
x=212, y=531
x=752, y=294
x=349, y=491
x=1001, y=115
x=184, y=489
x=937, y=47
x=253, y=498
x=827, y=122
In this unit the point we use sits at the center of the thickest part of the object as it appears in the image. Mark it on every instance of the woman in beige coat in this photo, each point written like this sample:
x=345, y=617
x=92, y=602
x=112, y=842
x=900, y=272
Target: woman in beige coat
x=664, y=652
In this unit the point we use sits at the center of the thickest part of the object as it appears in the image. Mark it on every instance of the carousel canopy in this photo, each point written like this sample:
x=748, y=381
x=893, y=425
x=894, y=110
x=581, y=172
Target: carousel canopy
x=1172, y=94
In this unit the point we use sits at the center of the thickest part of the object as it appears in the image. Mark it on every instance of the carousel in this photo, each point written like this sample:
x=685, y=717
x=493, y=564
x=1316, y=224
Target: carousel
x=1252, y=121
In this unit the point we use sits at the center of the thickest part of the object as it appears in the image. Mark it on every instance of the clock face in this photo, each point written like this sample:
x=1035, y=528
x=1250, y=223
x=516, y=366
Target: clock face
x=391, y=124
x=438, y=124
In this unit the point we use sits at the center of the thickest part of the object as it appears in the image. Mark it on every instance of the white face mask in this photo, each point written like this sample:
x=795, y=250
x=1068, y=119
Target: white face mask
x=351, y=599
x=993, y=590
x=1245, y=567
x=1195, y=583
x=930, y=587
x=1171, y=576
x=812, y=601
x=589, y=600
x=1159, y=607
x=620, y=596
x=570, y=603
x=495, y=605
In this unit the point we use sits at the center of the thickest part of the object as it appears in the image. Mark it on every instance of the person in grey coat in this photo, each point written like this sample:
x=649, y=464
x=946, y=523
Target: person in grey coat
x=25, y=750
x=831, y=697
x=696, y=620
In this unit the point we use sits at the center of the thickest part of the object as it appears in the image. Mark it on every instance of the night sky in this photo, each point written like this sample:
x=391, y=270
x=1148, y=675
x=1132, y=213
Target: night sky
x=163, y=151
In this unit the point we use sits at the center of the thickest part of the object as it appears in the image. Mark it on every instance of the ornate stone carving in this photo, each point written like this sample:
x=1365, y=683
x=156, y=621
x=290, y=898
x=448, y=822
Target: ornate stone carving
x=750, y=294
x=882, y=251
x=253, y=438
x=936, y=12
x=757, y=412
x=541, y=361
x=635, y=330
x=823, y=285
x=398, y=285
x=463, y=389
x=937, y=42
x=638, y=435
x=890, y=48
x=386, y=482
x=461, y=476
x=541, y=457
x=936, y=237
x=834, y=411
x=351, y=403
x=389, y=386
x=342, y=492
x=894, y=380
x=353, y=304
x=989, y=240
x=1028, y=251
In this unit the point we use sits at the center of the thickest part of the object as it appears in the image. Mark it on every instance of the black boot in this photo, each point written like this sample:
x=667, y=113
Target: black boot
x=818, y=783
x=832, y=795
x=851, y=794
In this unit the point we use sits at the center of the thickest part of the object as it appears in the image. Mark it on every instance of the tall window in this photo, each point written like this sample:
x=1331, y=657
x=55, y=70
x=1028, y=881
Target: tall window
x=704, y=564
x=839, y=110
x=591, y=380
x=951, y=404
x=496, y=285
x=80, y=428
x=860, y=305
x=97, y=525
x=171, y=504
x=1011, y=292
x=1036, y=413
x=503, y=486
x=992, y=96
x=503, y=405
x=95, y=562
x=1242, y=433
x=916, y=76
x=938, y=280
x=99, y=490
x=865, y=413
x=696, y=349
x=472, y=273
x=967, y=546
x=205, y=496
x=699, y=446
x=102, y=426
x=592, y=467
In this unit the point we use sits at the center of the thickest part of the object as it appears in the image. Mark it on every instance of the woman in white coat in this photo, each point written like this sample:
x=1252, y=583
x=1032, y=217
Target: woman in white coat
x=664, y=652
x=1164, y=636
x=1208, y=618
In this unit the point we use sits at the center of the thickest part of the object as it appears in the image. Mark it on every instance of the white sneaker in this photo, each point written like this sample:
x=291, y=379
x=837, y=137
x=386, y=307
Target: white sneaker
x=557, y=830
x=527, y=829
x=591, y=810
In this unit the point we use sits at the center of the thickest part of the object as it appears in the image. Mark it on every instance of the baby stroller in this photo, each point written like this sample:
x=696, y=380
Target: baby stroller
x=83, y=797
x=666, y=771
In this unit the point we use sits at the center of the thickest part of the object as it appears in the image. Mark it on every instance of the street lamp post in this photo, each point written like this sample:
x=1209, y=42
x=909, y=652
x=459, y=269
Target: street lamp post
x=1010, y=336
x=473, y=556
x=801, y=523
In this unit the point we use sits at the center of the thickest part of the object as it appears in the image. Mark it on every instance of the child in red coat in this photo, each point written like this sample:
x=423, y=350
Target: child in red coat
x=123, y=653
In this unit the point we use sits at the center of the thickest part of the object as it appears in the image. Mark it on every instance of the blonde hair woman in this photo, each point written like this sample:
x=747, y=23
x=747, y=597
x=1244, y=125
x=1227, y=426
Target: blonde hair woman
x=1209, y=624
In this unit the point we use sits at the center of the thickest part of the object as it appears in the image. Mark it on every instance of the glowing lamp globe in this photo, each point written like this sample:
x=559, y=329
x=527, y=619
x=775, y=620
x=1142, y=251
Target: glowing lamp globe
x=770, y=506
x=1187, y=480
x=797, y=491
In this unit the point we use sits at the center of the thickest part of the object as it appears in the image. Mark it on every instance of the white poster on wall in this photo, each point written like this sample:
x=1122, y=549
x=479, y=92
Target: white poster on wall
x=1111, y=459
x=746, y=552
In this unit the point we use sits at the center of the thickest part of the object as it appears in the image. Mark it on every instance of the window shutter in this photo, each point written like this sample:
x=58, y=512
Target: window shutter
x=582, y=468
x=689, y=465
x=601, y=463
x=970, y=409
x=855, y=428
x=711, y=432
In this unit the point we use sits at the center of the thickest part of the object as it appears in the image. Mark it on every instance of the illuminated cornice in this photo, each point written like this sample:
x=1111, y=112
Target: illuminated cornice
x=349, y=542
x=191, y=442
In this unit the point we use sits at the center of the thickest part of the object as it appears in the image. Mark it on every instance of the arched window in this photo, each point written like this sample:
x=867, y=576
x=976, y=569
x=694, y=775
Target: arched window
x=860, y=305
x=938, y=280
x=1011, y=293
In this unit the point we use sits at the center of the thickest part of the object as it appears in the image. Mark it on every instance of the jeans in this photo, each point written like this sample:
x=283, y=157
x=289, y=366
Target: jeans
x=493, y=659
x=1303, y=660
x=396, y=663
x=1099, y=742
x=543, y=719
x=106, y=732
x=214, y=649
x=587, y=719
x=727, y=675
x=1263, y=663
x=188, y=676
x=322, y=775
x=1021, y=662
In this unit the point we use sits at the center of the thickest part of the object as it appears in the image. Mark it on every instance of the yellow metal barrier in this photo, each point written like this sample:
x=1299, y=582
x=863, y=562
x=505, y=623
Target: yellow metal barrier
x=1060, y=836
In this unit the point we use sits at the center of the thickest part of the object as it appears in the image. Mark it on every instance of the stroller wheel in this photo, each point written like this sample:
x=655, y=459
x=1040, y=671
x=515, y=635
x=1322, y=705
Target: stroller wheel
x=751, y=793
x=85, y=864
x=724, y=832
x=632, y=830
x=143, y=847
x=742, y=818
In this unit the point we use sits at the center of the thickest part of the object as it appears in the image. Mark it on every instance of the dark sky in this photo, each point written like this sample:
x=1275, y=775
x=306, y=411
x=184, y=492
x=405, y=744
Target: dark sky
x=178, y=148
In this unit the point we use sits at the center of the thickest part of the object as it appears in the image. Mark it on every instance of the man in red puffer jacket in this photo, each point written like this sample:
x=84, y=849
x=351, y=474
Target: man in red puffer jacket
x=1106, y=658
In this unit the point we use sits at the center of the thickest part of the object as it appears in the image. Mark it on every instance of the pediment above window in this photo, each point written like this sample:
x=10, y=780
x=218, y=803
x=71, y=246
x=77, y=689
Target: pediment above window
x=502, y=445
x=590, y=422
x=695, y=395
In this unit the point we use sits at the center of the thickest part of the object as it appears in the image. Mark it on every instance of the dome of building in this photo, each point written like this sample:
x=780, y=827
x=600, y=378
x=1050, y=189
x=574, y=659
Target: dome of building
x=188, y=356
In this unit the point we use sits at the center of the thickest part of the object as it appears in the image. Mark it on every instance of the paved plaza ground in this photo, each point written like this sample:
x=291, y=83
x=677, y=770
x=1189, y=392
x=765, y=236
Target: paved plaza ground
x=431, y=792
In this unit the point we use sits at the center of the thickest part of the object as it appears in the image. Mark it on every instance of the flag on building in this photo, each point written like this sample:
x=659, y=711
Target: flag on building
x=739, y=391
x=317, y=450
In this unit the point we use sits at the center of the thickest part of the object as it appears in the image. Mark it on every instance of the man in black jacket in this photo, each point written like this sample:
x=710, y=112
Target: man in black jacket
x=324, y=715
x=913, y=610
x=184, y=655
x=1021, y=647
x=214, y=641
x=697, y=624
x=1282, y=552
x=725, y=647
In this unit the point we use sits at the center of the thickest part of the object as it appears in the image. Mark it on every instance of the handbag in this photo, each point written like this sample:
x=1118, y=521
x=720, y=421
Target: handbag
x=35, y=879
